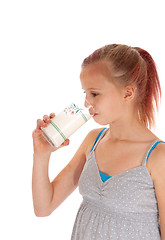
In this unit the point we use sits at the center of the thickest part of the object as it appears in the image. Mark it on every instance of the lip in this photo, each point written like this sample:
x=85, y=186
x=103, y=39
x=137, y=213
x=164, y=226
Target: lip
x=95, y=114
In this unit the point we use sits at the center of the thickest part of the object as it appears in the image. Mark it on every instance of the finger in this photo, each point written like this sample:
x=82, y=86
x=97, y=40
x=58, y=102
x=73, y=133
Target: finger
x=66, y=142
x=52, y=115
x=46, y=119
x=37, y=132
x=40, y=123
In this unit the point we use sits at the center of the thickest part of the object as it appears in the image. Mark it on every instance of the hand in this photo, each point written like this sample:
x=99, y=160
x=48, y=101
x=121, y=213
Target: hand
x=40, y=144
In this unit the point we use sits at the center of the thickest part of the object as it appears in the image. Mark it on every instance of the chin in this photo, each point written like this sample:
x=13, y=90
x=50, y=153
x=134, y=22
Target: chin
x=102, y=122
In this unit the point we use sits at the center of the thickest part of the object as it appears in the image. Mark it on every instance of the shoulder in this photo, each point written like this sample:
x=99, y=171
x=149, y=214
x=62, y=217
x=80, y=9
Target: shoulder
x=94, y=133
x=91, y=137
x=158, y=167
x=158, y=162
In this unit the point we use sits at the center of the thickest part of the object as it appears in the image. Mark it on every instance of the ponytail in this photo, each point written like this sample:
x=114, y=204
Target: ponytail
x=153, y=89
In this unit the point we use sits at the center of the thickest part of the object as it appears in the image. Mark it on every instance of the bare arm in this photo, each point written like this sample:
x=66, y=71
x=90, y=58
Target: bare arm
x=159, y=184
x=47, y=196
x=41, y=187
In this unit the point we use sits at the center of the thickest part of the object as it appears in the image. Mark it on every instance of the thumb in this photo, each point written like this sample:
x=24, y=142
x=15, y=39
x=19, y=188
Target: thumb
x=65, y=143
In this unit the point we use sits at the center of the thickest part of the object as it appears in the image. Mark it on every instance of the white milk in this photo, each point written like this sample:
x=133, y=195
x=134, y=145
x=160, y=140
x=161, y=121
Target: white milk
x=65, y=124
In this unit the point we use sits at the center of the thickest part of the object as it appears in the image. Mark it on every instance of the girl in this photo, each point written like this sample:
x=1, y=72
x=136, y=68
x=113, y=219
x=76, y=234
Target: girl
x=120, y=169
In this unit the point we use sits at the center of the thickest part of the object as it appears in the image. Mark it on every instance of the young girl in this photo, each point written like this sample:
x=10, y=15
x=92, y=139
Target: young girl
x=120, y=169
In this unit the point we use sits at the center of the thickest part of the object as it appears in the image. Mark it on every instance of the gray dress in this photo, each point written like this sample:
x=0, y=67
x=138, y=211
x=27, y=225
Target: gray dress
x=123, y=207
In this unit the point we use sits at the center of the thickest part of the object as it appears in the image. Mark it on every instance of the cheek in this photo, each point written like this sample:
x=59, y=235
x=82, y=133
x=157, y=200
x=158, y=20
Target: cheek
x=113, y=106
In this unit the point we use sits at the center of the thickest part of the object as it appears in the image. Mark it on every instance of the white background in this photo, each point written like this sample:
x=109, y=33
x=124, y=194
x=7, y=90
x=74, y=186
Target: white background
x=42, y=45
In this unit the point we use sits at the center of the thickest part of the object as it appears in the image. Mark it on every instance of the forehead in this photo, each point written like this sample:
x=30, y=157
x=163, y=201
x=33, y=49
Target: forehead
x=96, y=75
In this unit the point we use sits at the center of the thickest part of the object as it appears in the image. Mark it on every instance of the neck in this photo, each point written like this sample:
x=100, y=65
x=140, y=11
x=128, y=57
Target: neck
x=127, y=130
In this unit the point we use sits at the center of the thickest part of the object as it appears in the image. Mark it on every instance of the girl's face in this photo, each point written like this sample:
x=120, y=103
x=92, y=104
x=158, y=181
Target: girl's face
x=105, y=98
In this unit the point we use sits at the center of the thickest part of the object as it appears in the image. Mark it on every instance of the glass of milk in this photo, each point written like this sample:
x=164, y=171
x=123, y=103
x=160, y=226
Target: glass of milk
x=64, y=124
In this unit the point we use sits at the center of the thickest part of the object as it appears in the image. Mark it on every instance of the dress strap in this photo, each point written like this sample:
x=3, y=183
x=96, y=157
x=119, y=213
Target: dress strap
x=98, y=138
x=152, y=146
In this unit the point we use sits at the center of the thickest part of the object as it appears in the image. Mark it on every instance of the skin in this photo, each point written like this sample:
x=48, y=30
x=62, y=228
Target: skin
x=122, y=147
x=125, y=143
x=40, y=145
x=115, y=107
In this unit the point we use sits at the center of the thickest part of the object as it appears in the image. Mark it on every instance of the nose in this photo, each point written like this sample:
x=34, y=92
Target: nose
x=87, y=103
x=89, y=106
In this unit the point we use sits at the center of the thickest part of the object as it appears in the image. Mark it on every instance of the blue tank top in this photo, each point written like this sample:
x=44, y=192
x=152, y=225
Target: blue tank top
x=105, y=177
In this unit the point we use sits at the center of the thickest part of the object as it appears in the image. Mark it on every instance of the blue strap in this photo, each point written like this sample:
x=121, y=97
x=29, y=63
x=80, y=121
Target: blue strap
x=97, y=139
x=153, y=148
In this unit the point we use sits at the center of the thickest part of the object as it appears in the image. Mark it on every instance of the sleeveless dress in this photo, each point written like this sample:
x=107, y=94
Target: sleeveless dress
x=123, y=207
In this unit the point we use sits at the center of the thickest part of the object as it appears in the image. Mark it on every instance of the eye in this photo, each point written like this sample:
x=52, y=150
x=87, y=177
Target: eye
x=92, y=93
x=95, y=94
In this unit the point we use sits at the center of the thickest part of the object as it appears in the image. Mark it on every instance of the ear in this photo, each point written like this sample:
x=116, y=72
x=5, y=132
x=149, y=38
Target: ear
x=129, y=93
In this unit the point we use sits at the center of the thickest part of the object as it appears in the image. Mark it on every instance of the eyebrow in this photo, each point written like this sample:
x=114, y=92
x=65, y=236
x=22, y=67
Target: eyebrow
x=93, y=89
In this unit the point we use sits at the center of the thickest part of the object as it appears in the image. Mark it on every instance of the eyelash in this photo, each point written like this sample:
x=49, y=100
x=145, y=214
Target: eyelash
x=94, y=94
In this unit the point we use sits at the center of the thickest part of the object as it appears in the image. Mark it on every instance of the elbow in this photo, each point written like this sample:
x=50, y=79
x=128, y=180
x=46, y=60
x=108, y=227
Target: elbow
x=42, y=213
